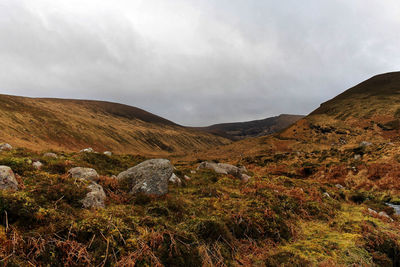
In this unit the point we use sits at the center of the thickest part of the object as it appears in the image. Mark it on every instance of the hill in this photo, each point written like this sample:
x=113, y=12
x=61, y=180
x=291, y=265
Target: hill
x=242, y=130
x=314, y=196
x=70, y=125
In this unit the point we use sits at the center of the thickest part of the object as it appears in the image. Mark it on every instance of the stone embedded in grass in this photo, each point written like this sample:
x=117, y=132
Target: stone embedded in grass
x=107, y=153
x=150, y=177
x=83, y=173
x=7, y=178
x=37, y=165
x=5, y=147
x=95, y=198
x=87, y=150
x=223, y=168
x=50, y=155
x=175, y=179
x=339, y=186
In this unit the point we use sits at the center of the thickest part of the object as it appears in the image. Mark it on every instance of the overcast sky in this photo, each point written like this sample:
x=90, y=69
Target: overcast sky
x=197, y=62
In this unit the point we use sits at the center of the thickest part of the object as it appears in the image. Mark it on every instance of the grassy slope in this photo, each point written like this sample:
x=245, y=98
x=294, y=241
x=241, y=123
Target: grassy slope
x=211, y=220
x=72, y=125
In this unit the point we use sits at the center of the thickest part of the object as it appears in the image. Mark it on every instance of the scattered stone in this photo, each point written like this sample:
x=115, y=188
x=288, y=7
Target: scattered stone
x=244, y=177
x=37, y=165
x=50, y=155
x=365, y=144
x=175, y=179
x=326, y=194
x=187, y=178
x=83, y=173
x=192, y=172
x=108, y=153
x=372, y=212
x=357, y=157
x=7, y=178
x=5, y=147
x=87, y=150
x=95, y=198
x=339, y=186
x=223, y=168
x=150, y=177
x=385, y=215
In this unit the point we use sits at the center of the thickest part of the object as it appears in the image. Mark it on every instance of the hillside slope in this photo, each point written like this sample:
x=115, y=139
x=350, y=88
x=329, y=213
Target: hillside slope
x=369, y=111
x=60, y=124
x=242, y=130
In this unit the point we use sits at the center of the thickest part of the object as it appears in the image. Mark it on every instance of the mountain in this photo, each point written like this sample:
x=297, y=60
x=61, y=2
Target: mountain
x=64, y=124
x=368, y=112
x=242, y=130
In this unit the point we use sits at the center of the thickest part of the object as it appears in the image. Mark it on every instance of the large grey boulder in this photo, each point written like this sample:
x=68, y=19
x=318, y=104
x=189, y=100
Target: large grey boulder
x=223, y=168
x=83, y=173
x=150, y=177
x=7, y=178
x=95, y=198
x=5, y=147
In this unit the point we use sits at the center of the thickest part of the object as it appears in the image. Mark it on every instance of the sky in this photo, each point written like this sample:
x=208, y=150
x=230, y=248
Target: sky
x=197, y=62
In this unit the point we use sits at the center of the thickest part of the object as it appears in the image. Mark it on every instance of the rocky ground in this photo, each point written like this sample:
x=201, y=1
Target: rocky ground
x=319, y=208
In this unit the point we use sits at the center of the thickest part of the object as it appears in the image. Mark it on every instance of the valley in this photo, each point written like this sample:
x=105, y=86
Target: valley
x=321, y=191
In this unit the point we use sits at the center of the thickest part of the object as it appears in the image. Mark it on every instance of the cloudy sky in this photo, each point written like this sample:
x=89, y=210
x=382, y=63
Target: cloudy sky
x=197, y=62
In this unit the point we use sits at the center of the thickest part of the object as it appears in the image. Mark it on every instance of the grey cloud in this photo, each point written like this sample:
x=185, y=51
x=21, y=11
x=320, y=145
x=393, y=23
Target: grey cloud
x=193, y=62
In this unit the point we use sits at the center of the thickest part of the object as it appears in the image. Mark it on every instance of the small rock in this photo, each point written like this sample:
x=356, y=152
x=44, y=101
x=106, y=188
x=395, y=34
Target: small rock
x=83, y=173
x=87, y=150
x=108, y=153
x=37, y=165
x=95, y=198
x=187, y=178
x=357, y=157
x=7, y=178
x=339, y=186
x=5, y=147
x=244, y=177
x=385, y=215
x=192, y=172
x=175, y=179
x=326, y=194
x=50, y=155
x=365, y=144
x=150, y=177
x=372, y=212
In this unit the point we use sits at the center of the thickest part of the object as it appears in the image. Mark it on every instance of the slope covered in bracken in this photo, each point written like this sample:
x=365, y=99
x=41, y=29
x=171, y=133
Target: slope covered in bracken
x=70, y=125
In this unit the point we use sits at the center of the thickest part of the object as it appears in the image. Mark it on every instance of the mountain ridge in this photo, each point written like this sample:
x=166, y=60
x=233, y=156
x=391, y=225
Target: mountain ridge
x=70, y=124
x=254, y=128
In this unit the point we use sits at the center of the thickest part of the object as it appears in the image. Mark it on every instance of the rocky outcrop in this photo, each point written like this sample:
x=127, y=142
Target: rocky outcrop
x=83, y=173
x=95, y=198
x=5, y=147
x=7, y=178
x=150, y=177
x=223, y=168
